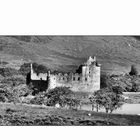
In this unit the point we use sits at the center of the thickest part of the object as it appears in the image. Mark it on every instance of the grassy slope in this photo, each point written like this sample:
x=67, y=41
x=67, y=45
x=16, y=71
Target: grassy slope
x=11, y=114
x=115, y=53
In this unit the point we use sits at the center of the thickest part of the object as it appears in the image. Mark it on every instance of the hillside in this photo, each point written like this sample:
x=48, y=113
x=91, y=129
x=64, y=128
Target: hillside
x=115, y=53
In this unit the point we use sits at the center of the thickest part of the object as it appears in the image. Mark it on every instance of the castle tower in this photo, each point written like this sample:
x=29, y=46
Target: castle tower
x=91, y=74
x=95, y=73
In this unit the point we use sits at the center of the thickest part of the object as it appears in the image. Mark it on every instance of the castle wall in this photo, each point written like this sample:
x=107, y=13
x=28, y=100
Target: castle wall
x=59, y=81
x=52, y=82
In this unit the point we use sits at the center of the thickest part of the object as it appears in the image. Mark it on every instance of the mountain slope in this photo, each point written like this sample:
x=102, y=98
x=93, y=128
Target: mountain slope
x=115, y=53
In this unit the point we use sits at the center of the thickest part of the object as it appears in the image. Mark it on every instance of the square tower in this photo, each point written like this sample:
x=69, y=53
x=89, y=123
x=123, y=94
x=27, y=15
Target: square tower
x=91, y=71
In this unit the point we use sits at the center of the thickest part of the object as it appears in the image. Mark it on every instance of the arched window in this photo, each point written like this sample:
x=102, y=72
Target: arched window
x=86, y=79
x=73, y=78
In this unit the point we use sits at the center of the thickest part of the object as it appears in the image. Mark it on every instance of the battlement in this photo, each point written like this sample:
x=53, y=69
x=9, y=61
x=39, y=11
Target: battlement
x=87, y=81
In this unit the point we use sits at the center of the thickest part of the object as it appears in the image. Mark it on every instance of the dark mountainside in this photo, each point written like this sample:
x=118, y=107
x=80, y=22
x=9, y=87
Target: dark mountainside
x=115, y=53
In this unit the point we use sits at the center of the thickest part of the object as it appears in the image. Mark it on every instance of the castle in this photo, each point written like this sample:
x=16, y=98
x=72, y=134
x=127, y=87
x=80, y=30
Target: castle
x=86, y=81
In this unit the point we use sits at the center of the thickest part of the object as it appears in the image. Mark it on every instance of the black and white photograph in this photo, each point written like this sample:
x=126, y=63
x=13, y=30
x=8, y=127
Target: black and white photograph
x=69, y=69
x=69, y=80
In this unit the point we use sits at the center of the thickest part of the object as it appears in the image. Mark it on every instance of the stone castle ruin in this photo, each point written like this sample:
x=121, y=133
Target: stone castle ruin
x=86, y=81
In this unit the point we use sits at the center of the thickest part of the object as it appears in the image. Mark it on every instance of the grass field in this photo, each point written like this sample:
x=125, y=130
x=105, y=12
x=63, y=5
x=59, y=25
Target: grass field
x=19, y=114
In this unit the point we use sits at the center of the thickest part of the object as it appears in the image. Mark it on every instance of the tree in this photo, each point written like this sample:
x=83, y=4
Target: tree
x=109, y=99
x=107, y=81
x=62, y=96
x=72, y=103
x=133, y=71
x=94, y=102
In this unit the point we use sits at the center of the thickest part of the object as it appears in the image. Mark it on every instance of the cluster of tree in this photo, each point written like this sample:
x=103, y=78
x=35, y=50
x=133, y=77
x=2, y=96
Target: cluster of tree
x=129, y=82
x=12, y=88
x=107, y=98
x=60, y=95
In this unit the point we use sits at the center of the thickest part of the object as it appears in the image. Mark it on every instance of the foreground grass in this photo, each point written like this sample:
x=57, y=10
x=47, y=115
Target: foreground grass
x=19, y=114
